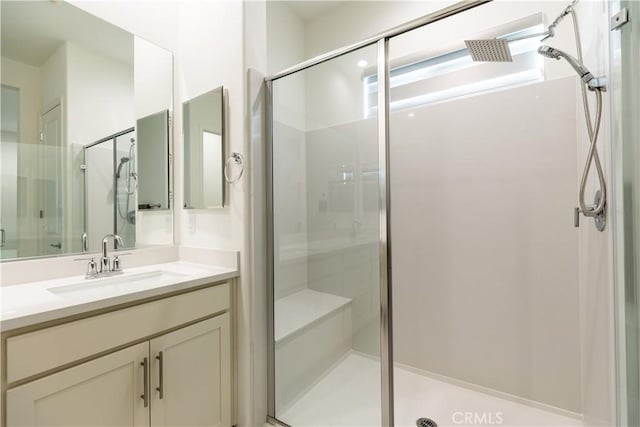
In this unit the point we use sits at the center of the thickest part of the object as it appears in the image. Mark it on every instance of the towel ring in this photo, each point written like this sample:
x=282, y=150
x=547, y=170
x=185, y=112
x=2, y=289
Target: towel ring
x=238, y=159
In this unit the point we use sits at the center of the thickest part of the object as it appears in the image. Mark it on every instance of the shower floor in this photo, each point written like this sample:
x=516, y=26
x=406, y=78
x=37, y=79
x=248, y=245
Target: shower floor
x=349, y=396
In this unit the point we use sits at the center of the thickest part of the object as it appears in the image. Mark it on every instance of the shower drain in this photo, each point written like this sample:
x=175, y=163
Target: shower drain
x=426, y=422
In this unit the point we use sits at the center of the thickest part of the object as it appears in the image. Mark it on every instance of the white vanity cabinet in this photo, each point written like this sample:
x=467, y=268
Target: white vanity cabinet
x=162, y=363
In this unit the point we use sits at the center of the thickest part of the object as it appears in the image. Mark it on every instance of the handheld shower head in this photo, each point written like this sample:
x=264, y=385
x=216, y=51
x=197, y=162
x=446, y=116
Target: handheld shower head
x=123, y=160
x=557, y=54
x=549, y=52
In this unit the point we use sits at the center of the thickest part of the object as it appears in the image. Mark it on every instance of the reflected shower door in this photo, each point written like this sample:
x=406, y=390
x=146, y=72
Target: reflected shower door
x=125, y=188
x=111, y=182
x=326, y=213
x=52, y=191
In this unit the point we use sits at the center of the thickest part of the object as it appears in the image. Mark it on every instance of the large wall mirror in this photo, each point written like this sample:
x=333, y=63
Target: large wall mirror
x=85, y=133
x=203, y=131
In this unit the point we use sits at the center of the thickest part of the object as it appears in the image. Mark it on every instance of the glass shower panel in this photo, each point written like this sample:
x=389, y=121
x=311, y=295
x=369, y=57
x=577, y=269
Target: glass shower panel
x=485, y=255
x=10, y=125
x=326, y=203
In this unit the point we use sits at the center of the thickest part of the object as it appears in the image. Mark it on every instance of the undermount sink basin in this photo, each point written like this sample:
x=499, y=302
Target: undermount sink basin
x=121, y=284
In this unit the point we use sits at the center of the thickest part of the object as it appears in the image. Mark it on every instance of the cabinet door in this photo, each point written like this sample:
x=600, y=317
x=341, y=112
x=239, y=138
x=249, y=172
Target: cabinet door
x=191, y=375
x=103, y=392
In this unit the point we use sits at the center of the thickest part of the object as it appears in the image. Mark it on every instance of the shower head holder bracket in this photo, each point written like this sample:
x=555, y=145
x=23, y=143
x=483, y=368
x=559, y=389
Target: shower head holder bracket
x=598, y=83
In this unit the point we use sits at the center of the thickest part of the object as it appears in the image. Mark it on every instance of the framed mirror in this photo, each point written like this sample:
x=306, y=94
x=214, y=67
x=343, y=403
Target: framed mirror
x=82, y=146
x=204, y=135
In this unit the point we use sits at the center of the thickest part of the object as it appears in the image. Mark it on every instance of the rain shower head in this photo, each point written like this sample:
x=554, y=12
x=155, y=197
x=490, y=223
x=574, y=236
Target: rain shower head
x=557, y=54
x=491, y=50
x=497, y=50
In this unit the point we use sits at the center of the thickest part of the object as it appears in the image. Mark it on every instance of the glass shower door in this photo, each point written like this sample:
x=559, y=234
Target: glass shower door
x=326, y=204
x=486, y=293
x=628, y=96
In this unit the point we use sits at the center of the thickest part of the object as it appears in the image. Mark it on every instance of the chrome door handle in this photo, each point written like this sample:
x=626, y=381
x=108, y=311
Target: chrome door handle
x=145, y=393
x=56, y=245
x=160, y=388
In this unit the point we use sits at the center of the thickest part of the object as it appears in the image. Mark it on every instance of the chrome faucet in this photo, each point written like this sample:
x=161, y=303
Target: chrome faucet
x=105, y=261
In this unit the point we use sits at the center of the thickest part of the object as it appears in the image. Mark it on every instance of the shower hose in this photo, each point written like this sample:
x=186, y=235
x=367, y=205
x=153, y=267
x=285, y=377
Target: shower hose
x=593, y=130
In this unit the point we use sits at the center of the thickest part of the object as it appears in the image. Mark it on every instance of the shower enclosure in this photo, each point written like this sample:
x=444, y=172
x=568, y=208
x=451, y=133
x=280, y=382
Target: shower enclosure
x=424, y=266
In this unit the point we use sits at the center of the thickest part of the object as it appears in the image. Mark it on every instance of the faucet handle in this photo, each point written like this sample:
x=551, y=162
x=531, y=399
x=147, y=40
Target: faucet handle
x=115, y=265
x=92, y=268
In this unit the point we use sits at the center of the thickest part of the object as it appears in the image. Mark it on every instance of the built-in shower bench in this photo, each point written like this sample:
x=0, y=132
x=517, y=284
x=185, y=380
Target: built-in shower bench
x=312, y=333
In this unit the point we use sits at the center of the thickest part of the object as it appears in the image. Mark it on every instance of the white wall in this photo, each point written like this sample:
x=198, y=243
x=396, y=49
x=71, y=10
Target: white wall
x=95, y=110
x=54, y=80
x=484, y=252
x=595, y=248
x=153, y=78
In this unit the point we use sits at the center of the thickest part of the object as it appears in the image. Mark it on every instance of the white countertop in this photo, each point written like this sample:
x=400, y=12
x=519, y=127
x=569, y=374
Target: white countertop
x=36, y=302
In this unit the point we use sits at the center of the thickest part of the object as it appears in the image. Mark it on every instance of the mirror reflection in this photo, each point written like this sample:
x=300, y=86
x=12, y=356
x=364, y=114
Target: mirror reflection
x=203, y=129
x=153, y=149
x=75, y=90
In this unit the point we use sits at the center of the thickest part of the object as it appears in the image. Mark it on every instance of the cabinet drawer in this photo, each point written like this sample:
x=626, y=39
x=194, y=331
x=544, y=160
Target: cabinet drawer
x=35, y=352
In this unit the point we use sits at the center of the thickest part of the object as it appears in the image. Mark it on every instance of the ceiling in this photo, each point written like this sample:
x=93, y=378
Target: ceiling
x=33, y=30
x=308, y=10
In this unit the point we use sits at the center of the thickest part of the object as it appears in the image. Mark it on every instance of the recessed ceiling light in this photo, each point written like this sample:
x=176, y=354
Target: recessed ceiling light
x=411, y=114
x=362, y=63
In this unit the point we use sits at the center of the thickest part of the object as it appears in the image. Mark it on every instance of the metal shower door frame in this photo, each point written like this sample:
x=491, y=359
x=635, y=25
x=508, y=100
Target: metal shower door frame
x=386, y=316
